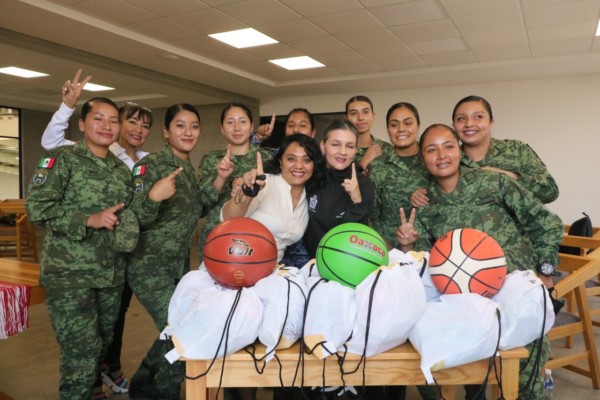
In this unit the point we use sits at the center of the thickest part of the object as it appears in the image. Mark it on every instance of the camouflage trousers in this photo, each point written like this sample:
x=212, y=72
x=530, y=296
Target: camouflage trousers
x=154, y=290
x=83, y=321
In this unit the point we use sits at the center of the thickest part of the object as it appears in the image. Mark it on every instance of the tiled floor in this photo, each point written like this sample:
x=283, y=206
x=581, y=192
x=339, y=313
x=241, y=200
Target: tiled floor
x=29, y=361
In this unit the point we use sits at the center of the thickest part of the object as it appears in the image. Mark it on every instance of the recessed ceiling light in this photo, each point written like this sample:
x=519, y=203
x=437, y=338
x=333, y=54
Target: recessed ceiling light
x=243, y=38
x=293, y=63
x=23, y=73
x=92, y=87
x=598, y=29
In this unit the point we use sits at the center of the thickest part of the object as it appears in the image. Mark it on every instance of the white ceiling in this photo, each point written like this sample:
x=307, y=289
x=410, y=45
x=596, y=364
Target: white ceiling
x=367, y=45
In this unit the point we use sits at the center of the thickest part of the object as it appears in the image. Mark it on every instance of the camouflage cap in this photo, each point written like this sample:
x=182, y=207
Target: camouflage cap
x=125, y=235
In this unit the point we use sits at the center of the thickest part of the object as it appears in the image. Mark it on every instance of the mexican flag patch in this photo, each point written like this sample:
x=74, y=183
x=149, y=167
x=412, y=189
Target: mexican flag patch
x=139, y=170
x=47, y=162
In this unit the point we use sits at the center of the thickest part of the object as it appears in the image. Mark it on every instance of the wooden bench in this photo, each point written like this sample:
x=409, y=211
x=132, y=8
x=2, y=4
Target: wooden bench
x=23, y=273
x=398, y=366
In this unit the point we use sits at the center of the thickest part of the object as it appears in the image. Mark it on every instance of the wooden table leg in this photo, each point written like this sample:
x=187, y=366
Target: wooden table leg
x=195, y=389
x=510, y=378
x=448, y=392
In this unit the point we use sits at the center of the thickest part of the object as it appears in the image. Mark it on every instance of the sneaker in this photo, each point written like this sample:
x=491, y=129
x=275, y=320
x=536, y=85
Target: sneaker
x=117, y=385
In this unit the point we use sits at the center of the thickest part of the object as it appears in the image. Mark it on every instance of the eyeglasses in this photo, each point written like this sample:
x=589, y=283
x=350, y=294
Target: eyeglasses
x=131, y=104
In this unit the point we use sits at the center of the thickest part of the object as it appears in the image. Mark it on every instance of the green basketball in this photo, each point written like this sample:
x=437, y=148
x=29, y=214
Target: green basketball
x=349, y=252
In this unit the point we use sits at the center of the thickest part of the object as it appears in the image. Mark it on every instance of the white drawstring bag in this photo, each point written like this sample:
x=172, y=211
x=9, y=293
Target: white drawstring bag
x=459, y=329
x=398, y=301
x=207, y=320
x=283, y=295
x=525, y=307
x=329, y=315
x=419, y=261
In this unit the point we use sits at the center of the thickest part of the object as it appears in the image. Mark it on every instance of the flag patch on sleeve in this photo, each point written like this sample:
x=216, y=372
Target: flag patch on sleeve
x=47, y=162
x=139, y=170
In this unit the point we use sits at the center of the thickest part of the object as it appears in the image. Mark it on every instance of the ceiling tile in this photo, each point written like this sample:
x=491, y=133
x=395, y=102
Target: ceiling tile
x=318, y=45
x=560, y=47
x=167, y=8
x=202, y=44
x=438, y=46
x=219, y=3
x=368, y=39
x=470, y=8
x=495, y=30
x=349, y=62
x=208, y=21
x=425, y=32
x=162, y=29
x=309, y=8
x=446, y=59
x=318, y=73
x=271, y=71
x=562, y=13
x=393, y=58
x=292, y=30
x=379, y=3
x=116, y=12
x=501, y=53
x=549, y=33
x=253, y=12
x=347, y=21
x=408, y=13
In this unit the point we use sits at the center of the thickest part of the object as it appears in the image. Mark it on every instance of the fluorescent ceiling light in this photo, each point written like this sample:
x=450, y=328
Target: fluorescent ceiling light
x=293, y=63
x=598, y=29
x=23, y=73
x=92, y=87
x=243, y=38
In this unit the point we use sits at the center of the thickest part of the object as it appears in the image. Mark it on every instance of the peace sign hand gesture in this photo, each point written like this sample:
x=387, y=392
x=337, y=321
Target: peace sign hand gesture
x=406, y=233
x=351, y=187
x=72, y=90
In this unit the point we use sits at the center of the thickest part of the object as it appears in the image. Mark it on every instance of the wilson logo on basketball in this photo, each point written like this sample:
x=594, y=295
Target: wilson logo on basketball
x=240, y=248
x=367, y=244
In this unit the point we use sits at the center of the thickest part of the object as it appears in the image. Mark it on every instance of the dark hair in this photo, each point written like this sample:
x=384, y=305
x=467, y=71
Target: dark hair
x=305, y=112
x=478, y=99
x=312, y=151
x=176, y=109
x=236, y=105
x=402, y=104
x=130, y=109
x=359, y=98
x=87, y=106
x=429, y=128
x=340, y=123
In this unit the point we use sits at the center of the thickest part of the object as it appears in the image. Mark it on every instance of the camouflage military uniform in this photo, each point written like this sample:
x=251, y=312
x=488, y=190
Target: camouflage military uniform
x=215, y=200
x=518, y=157
x=395, y=179
x=162, y=257
x=492, y=202
x=82, y=271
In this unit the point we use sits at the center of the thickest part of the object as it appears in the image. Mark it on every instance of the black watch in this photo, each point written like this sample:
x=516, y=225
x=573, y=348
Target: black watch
x=546, y=269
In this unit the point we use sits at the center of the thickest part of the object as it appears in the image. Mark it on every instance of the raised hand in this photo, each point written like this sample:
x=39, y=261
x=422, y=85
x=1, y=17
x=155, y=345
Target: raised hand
x=264, y=131
x=71, y=90
x=106, y=218
x=406, y=233
x=351, y=187
x=164, y=188
x=254, y=180
x=419, y=198
x=225, y=166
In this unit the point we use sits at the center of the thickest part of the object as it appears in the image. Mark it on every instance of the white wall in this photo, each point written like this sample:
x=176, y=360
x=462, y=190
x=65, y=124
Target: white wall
x=559, y=118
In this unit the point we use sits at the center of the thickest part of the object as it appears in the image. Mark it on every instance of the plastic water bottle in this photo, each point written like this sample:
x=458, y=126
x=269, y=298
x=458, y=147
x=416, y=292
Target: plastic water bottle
x=548, y=384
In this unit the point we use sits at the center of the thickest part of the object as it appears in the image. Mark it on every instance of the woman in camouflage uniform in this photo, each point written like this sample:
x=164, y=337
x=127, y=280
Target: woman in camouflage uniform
x=77, y=193
x=490, y=201
x=166, y=202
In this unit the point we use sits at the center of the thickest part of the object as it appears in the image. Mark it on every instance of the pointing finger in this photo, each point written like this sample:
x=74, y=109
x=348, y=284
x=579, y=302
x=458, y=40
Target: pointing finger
x=272, y=123
x=259, y=165
x=116, y=207
x=353, y=171
x=228, y=153
x=173, y=174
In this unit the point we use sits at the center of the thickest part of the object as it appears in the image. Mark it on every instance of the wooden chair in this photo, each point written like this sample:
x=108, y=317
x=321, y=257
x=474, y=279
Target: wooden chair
x=19, y=240
x=579, y=269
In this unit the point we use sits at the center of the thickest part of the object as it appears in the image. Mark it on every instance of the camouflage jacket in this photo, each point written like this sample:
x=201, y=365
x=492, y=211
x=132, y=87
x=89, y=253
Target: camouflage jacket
x=69, y=185
x=493, y=203
x=395, y=179
x=167, y=227
x=214, y=200
x=518, y=157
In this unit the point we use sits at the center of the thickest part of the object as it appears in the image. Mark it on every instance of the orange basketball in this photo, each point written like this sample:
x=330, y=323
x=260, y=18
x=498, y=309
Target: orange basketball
x=467, y=261
x=239, y=252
